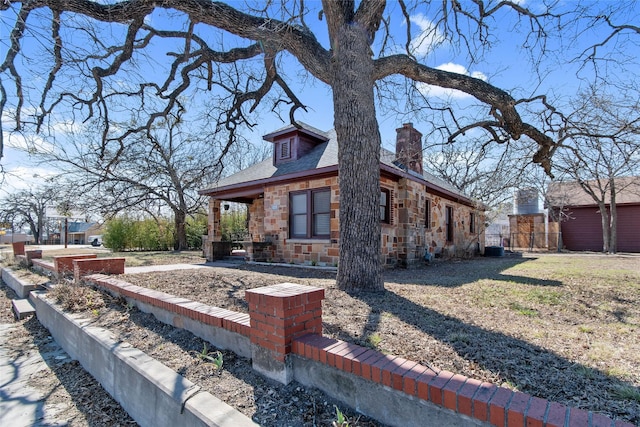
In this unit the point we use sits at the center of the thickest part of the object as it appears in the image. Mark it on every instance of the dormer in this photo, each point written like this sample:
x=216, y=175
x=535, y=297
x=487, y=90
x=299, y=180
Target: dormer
x=291, y=143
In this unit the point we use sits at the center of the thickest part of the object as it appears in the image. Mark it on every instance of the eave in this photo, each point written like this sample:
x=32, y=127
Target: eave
x=431, y=188
x=252, y=189
x=246, y=191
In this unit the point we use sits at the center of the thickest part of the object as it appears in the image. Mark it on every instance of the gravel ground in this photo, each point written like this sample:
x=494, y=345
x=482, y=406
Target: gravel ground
x=496, y=320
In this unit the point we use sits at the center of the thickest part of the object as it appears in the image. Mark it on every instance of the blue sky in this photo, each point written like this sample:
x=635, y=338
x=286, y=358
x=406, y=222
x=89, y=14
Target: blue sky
x=507, y=66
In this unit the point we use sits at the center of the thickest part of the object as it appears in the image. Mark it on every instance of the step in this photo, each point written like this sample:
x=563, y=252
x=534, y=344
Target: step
x=22, y=308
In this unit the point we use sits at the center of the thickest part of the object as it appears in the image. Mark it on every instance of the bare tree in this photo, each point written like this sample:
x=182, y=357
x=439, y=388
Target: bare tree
x=240, y=54
x=486, y=172
x=29, y=207
x=600, y=150
x=157, y=172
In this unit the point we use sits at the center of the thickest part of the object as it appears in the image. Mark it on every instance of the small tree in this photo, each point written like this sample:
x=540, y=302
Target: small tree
x=601, y=144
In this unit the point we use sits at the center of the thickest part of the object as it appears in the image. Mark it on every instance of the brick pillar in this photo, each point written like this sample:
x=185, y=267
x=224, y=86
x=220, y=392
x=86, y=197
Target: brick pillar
x=31, y=255
x=279, y=314
x=18, y=248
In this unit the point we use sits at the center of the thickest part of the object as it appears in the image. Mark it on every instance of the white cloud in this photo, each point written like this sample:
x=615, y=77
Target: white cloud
x=445, y=93
x=25, y=177
x=30, y=144
x=429, y=38
x=68, y=127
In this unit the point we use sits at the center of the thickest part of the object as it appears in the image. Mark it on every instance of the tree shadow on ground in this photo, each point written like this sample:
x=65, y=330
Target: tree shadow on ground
x=97, y=407
x=516, y=362
x=447, y=273
x=301, y=406
x=528, y=367
x=460, y=272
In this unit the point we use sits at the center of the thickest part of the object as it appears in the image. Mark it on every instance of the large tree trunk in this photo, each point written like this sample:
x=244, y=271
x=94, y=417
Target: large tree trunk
x=35, y=230
x=181, y=231
x=359, y=268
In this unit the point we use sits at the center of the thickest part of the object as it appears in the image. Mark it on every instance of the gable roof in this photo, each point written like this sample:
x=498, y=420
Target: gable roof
x=323, y=159
x=569, y=193
x=305, y=128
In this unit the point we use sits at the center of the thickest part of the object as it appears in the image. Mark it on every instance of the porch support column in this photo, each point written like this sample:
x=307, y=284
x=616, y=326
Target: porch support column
x=279, y=314
x=215, y=230
x=214, y=233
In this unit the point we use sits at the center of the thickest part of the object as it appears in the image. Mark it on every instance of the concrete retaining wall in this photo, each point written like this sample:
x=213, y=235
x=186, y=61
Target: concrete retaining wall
x=150, y=392
x=390, y=389
x=45, y=268
x=20, y=287
x=225, y=329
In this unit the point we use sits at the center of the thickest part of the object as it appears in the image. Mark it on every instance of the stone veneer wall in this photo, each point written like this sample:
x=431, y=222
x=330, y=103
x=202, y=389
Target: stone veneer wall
x=408, y=237
x=404, y=239
x=214, y=233
x=275, y=224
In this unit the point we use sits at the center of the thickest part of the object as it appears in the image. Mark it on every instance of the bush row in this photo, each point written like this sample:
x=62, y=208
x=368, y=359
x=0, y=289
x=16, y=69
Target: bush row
x=125, y=233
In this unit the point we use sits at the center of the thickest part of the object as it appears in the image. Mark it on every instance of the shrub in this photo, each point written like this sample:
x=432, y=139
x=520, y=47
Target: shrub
x=196, y=227
x=147, y=235
x=76, y=298
x=118, y=234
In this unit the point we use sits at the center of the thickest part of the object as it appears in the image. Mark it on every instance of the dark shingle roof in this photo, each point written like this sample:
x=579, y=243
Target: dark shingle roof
x=323, y=155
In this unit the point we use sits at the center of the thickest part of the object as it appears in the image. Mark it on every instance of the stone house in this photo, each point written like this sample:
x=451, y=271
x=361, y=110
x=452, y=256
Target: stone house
x=294, y=208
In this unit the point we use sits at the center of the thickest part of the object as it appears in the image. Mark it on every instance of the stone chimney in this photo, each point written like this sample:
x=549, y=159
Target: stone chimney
x=409, y=147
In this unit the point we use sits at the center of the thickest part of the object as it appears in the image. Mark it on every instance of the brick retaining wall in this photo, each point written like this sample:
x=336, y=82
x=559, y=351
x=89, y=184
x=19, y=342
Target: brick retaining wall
x=211, y=316
x=86, y=266
x=278, y=312
x=64, y=263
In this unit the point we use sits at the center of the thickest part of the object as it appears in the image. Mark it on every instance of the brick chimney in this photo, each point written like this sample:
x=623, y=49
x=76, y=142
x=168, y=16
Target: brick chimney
x=409, y=147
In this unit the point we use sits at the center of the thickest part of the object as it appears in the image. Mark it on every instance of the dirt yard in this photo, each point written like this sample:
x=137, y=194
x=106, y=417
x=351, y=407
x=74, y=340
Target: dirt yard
x=561, y=327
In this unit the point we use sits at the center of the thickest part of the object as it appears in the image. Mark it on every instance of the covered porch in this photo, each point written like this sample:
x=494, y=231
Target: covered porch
x=236, y=227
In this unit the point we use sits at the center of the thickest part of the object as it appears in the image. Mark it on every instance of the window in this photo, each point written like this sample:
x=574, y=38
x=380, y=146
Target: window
x=310, y=213
x=385, y=206
x=449, y=220
x=472, y=222
x=427, y=214
x=285, y=149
